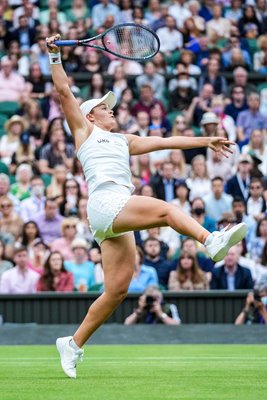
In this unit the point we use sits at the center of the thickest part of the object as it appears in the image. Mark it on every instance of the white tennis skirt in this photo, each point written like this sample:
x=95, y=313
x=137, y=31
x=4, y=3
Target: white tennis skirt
x=103, y=206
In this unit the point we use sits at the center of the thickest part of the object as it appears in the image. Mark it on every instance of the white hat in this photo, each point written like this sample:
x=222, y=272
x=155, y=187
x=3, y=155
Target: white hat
x=88, y=105
x=79, y=243
x=209, y=118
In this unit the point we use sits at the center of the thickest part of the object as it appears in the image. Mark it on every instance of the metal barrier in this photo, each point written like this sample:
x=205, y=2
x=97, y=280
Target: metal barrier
x=215, y=307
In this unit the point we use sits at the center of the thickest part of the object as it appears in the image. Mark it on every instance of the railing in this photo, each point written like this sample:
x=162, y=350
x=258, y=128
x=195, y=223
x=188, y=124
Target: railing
x=70, y=308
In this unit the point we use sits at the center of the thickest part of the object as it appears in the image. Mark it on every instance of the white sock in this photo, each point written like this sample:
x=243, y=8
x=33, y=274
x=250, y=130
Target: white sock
x=73, y=345
x=208, y=240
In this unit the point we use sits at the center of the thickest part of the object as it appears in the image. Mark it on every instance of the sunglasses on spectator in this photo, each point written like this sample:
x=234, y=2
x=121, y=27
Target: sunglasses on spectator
x=255, y=187
x=71, y=187
x=7, y=205
x=70, y=226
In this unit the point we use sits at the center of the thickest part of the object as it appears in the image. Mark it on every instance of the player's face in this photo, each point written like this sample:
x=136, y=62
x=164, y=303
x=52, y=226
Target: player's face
x=103, y=116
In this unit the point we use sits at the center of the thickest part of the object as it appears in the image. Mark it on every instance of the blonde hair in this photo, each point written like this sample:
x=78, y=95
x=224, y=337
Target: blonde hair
x=68, y=221
x=199, y=157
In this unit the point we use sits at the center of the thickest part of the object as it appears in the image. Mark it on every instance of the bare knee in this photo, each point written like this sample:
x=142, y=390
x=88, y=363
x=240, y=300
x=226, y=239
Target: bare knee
x=170, y=212
x=117, y=295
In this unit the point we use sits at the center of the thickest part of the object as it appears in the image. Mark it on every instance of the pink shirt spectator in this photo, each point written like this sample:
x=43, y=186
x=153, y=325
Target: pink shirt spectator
x=64, y=247
x=11, y=87
x=14, y=281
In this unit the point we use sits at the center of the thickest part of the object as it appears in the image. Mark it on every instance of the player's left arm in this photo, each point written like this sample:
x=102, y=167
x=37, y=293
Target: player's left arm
x=142, y=145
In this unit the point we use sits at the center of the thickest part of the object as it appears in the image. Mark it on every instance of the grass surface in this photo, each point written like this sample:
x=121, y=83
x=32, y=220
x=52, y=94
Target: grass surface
x=190, y=372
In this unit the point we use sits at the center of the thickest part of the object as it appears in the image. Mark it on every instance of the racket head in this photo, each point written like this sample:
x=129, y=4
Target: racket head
x=131, y=42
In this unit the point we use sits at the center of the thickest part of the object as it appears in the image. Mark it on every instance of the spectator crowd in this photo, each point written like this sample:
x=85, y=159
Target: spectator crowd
x=209, y=78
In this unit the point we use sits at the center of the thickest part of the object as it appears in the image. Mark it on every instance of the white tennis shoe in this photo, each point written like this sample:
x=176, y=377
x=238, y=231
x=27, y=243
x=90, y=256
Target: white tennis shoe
x=68, y=356
x=219, y=242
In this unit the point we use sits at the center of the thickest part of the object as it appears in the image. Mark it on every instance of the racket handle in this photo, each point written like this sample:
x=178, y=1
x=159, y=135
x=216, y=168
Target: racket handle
x=61, y=43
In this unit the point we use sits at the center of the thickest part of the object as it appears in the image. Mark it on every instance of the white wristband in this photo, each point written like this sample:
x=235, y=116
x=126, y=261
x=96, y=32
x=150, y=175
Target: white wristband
x=55, y=58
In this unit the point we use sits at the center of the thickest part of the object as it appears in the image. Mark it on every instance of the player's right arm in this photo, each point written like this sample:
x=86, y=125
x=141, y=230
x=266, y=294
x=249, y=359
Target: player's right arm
x=80, y=127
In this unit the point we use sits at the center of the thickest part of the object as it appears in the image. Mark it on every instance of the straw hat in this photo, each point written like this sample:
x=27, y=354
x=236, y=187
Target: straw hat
x=16, y=119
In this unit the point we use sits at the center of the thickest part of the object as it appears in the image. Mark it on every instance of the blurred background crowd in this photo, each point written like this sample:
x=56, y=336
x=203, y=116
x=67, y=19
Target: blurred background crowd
x=209, y=78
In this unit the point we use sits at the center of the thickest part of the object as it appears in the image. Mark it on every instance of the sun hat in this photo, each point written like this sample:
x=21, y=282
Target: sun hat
x=244, y=158
x=16, y=119
x=88, y=105
x=209, y=118
x=79, y=243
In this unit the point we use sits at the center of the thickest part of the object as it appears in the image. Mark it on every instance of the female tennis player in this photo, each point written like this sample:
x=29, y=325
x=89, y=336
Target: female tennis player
x=113, y=213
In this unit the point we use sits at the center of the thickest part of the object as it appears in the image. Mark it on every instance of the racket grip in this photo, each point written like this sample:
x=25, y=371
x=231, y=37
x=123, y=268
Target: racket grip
x=61, y=43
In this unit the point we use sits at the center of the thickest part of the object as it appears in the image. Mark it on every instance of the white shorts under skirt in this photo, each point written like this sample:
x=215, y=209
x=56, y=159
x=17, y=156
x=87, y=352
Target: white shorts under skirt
x=103, y=207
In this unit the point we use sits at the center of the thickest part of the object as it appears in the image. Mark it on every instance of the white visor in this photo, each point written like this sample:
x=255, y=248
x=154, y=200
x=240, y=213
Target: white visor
x=88, y=105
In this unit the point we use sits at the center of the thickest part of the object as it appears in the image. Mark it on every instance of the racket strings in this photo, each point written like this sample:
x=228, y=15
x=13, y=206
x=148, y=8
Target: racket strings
x=131, y=42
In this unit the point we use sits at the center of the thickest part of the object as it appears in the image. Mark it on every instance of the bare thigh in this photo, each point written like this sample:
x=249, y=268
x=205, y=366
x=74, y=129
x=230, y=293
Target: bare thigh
x=118, y=257
x=142, y=212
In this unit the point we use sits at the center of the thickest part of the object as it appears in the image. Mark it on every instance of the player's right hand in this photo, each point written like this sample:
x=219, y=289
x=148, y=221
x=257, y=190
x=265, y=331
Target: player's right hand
x=52, y=48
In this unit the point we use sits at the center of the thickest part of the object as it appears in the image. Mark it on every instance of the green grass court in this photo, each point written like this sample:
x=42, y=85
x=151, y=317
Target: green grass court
x=160, y=372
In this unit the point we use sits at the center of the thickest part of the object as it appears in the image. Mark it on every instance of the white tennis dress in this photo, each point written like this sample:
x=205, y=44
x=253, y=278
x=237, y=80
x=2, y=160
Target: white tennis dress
x=105, y=161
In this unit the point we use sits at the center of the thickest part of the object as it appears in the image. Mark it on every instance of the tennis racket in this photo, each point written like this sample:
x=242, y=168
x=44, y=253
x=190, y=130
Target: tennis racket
x=129, y=41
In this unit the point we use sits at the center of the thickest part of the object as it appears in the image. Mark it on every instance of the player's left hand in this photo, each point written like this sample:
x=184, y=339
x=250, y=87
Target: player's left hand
x=221, y=145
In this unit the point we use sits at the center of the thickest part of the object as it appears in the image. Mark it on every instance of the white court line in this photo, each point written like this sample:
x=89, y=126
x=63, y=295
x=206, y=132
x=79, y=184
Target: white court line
x=136, y=359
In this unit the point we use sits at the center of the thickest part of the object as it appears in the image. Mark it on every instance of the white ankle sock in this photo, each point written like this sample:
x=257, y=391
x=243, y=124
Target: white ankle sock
x=73, y=345
x=208, y=240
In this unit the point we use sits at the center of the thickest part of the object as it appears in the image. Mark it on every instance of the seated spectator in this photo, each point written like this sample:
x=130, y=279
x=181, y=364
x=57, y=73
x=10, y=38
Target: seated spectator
x=5, y=191
x=199, y=181
x=143, y=275
x=160, y=63
x=218, y=27
x=55, y=278
x=154, y=259
x=240, y=76
x=152, y=78
x=81, y=268
x=198, y=212
x=5, y=265
x=63, y=244
x=10, y=222
x=164, y=185
x=24, y=34
x=152, y=309
x=21, y=188
x=153, y=12
x=170, y=38
x=127, y=123
x=147, y=190
x=35, y=203
x=190, y=30
x=71, y=195
x=182, y=197
x=119, y=83
x=182, y=96
x=39, y=256
x=12, y=84
x=37, y=125
x=239, y=210
x=142, y=119
x=225, y=121
x=256, y=204
x=23, y=154
x=169, y=239
x=217, y=202
x=238, y=102
x=213, y=77
x=234, y=12
x=96, y=258
x=249, y=17
x=19, y=279
x=158, y=119
x=255, y=310
x=51, y=6
x=49, y=222
x=180, y=12
x=194, y=7
x=256, y=245
x=190, y=245
x=51, y=106
x=27, y=8
x=188, y=275
x=238, y=185
x=187, y=58
x=256, y=146
x=70, y=60
x=130, y=67
x=55, y=189
x=231, y=275
x=30, y=232
x=217, y=165
x=141, y=166
x=235, y=55
x=78, y=10
x=190, y=154
x=39, y=55
x=57, y=151
x=92, y=62
x=146, y=101
x=178, y=161
x=260, y=57
x=9, y=143
x=102, y=10
x=182, y=71
x=200, y=105
x=20, y=61
x=126, y=11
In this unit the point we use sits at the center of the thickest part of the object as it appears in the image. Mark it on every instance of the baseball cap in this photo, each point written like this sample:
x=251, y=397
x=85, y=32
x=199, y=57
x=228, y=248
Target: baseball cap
x=209, y=118
x=244, y=158
x=87, y=106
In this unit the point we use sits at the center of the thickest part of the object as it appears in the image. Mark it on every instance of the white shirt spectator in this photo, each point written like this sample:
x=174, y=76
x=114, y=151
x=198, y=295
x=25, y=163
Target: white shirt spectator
x=21, y=11
x=31, y=206
x=198, y=187
x=14, y=281
x=101, y=11
x=170, y=40
x=180, y=14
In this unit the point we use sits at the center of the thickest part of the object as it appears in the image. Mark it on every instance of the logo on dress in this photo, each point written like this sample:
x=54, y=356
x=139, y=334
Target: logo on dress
x=103, y=140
